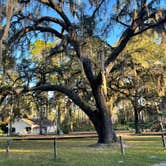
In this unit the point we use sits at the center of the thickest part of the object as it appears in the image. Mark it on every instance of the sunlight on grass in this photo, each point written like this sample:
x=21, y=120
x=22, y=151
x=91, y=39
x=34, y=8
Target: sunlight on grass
x=139, y=151
x=24, y=151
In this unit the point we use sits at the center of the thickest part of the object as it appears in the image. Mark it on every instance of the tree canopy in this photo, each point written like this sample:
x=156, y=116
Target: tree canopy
x=82, y=59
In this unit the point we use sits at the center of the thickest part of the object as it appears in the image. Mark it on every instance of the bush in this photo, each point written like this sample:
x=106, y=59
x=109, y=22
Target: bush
x=1, y=131
x=118, y=126
x=3, y=127
x=65, y=128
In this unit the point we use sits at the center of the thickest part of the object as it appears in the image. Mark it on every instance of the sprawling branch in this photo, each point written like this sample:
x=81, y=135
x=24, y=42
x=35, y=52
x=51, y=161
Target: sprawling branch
x=88, y=69
x=58, y=9
x=68, y=92
x=51, y=19
x=152, y=25
x=135, y=29
x=127, y=34
x=39, y=20
x=58, y=48
x=25, y=30
x=120, y=22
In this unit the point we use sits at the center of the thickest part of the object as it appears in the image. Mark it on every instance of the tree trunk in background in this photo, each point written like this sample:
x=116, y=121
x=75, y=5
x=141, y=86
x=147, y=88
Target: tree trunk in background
x=136, y=121
x=58, y=120
x=136, y=116
x=11, y=117
x=71, y=118
x=41, y=122
x=10, y=126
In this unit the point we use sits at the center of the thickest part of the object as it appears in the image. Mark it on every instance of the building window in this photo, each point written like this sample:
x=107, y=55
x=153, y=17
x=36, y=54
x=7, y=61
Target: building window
x=28, y=130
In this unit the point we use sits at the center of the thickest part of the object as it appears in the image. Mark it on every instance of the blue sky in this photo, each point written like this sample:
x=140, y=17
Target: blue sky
x=115, y=30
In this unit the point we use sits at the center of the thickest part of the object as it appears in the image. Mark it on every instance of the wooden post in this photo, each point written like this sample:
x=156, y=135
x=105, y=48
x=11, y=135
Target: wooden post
x=121, y=146
x=163, y=140
x=7, y=146
x=55, y=149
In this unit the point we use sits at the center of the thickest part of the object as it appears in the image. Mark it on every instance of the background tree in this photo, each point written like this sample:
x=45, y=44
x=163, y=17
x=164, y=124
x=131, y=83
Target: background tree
x=139, y=75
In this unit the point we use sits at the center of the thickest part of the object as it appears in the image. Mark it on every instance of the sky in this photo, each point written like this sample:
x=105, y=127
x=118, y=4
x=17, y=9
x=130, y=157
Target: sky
x=115, y=30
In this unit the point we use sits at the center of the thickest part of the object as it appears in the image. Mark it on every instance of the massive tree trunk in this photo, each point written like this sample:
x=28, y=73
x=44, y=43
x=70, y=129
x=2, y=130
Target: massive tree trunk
x=103, y=125
x=101, y=117
x=102, y=120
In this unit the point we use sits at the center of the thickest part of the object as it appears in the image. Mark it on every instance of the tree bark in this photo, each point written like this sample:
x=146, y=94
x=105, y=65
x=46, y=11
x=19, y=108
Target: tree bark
x=136, y=121
x=103, y=125
x=101, y=120
x=58, y=121
x=41, y=122
x=11, y=117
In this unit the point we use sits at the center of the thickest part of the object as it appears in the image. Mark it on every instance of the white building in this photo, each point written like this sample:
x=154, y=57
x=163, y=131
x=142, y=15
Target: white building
x=26, y=126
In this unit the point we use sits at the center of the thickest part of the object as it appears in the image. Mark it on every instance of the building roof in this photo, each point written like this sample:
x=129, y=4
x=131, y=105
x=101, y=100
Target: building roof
x=29, y=122
x=45, y=122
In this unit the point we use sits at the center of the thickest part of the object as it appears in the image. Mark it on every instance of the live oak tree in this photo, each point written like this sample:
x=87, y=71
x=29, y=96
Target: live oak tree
x=73, y=23
x=140, y=89
x=139, y=78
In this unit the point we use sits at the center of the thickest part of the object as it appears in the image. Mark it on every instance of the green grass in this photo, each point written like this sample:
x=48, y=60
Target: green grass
x=140, y=151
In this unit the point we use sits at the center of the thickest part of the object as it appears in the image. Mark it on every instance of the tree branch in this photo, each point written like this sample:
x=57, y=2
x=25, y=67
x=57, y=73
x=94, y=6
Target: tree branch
x=68, y=92
x=41, y=19
x=87, y=65
x=58, y=9
x=120, y=22
x=97, y=8
x=127, y=34
x=150, y=26
x=25, y=30
x=130, y=32
x=52, y=19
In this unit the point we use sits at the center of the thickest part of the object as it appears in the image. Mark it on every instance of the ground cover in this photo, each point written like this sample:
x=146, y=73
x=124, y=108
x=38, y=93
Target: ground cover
x=139, y=151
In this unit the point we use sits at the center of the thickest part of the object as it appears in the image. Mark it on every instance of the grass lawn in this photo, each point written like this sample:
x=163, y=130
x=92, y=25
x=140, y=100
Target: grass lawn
x=140, y=151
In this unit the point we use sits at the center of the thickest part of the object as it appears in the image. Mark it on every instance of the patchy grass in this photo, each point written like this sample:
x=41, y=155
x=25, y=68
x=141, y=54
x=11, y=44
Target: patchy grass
x=140, y=151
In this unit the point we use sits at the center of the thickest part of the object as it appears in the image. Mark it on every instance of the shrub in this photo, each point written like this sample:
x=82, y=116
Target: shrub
x=1, y=131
